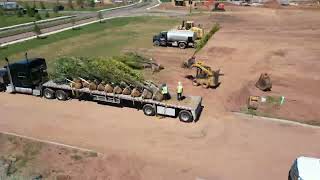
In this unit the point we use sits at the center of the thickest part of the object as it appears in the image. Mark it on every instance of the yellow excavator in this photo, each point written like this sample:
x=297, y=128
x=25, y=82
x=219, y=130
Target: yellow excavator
x=204, y=76
x=189, y=25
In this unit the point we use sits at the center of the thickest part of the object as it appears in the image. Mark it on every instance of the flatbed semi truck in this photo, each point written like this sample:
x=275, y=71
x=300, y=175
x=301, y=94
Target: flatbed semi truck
x=30, y=76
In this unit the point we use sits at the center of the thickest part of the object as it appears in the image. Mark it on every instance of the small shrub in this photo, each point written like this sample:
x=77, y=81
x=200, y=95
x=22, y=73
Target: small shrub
x=19, y=13
x=76, y=157
x=38, y=17
x=30, y=11
x=36, y=29
x=55, y=9
x=100, y=16
x=80, y=3
x=91, y=3
x=47, y=14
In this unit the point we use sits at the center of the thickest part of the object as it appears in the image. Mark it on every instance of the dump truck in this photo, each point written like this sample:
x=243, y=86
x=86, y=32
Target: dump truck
x=29, y=76
x=180, y=38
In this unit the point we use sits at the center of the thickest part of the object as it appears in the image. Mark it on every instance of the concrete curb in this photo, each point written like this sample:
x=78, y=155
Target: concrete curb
x=155, y=5
x=120, y=7
x=49, y=142
x=283, y=121
x=31, y=23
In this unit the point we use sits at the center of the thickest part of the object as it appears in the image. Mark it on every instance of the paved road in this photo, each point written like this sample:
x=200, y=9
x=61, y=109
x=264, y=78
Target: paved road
x=138, y=9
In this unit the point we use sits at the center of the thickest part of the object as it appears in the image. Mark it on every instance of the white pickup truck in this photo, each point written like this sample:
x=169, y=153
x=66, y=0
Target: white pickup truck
x=305, y=168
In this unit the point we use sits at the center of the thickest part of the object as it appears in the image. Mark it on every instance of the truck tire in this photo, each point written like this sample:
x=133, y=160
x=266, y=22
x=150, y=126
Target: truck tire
x=61, y=95
x=182, y=45
x=156, y=43
x=185, y=116
x=148, y=110
x=48, y=93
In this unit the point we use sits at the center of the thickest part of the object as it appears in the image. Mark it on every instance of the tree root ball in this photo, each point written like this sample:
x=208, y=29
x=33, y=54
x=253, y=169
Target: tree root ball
x=117, y=90
x=135, y=93
x=108, y=88
x=127, y=91
x=146, y=94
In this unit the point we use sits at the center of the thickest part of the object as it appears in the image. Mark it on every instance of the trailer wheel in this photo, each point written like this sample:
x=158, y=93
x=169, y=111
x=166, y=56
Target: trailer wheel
x=185, y=116
x=61, y=95
x=148, y=110
x=48, y=93
x=156, y=43
x=182, y=45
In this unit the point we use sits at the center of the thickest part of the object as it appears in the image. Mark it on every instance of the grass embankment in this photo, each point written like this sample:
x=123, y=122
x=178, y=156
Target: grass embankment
x=99, y=39
x=10, y=20
x=51, y=4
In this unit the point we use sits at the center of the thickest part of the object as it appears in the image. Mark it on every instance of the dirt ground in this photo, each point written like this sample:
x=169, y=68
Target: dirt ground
x=221, y=145
x=281, y=42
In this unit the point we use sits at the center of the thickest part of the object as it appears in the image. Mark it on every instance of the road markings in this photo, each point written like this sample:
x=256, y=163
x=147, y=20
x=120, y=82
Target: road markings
x=159, y=2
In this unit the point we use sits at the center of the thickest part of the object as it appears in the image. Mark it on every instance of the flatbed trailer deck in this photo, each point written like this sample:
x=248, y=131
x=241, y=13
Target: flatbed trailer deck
x=187, y=109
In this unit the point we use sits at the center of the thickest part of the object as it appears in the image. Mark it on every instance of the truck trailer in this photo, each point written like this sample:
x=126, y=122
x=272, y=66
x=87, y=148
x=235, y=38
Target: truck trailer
x=29, y=76
x=180, y=38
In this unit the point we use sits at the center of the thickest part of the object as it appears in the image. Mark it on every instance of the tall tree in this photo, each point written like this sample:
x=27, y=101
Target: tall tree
x=42, y=6
x=70, y=4
x=80, y=3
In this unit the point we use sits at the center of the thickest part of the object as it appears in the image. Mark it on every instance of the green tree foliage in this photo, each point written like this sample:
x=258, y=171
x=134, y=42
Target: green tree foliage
x=91, y=3
x=206, y=38
x=108, y=69
x=30, y=11
x=42, y=6
x=38, y=17
x=70, y=4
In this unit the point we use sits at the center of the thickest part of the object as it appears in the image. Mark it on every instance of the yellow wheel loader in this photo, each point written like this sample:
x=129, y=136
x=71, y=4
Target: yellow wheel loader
x=205, y=76
x=189, y=25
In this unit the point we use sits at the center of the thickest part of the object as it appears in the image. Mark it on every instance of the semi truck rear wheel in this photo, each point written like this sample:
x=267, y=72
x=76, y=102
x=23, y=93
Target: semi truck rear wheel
x=61, y=95
x=182, y=45
x=185, y=116
x=48, y=93
x=148, y=110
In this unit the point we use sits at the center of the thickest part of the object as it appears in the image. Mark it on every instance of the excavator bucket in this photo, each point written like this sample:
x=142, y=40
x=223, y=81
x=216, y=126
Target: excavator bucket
x=264, y=83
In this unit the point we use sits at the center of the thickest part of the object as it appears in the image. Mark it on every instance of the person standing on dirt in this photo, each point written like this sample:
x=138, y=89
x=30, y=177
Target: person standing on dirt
x=165, y=92
x=179, y=91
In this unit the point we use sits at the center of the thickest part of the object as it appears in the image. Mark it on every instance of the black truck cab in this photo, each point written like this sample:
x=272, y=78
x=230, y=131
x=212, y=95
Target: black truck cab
x=27, y=74
x=160, y=39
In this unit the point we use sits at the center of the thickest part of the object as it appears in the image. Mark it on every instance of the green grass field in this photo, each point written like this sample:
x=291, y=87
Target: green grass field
x=99, y=39
x=10, y=20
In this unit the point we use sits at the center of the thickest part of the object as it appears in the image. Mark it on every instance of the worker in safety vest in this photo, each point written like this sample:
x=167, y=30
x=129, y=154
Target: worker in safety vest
x=179, y=91
x=165, y=92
